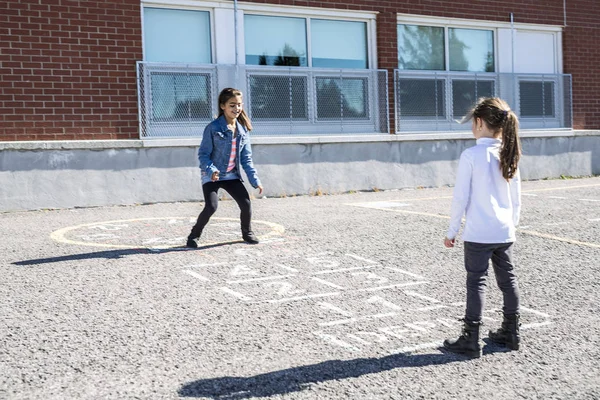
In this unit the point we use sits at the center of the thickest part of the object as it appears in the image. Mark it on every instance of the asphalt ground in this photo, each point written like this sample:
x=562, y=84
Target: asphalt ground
x=346, y=297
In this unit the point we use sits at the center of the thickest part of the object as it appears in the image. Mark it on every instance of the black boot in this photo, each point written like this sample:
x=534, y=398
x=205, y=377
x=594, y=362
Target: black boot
x=191, y=243
x=508, y=334
x=468, y=342
x=249, y=237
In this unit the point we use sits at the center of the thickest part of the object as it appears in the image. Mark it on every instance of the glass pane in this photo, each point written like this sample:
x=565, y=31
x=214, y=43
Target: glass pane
x=341, y=98
x=329, y=40
x=176, y=35
x=465, y=94
x=278, y=97
x=179, y=96
x=421, y=47
x=471, y=50
x=422, y=98
x=275, y=40
x=536, y=99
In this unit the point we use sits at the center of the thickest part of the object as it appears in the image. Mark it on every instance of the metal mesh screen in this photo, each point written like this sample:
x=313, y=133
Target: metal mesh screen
x=175, y=100
x=178, y=100
x=437, y=101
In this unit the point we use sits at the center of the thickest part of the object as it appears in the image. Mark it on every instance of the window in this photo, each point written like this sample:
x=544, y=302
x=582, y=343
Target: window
x=329, y=44
x=422, y=97
x=306, y=42
x=424, y=48
x=275, y=40
x=177, y=35
x=471, y=50
x=536, y=99
x=341, y=98
x=283, y=41
x=421, y=47
x=278, y=97
x=180, y=96
x=465, y=93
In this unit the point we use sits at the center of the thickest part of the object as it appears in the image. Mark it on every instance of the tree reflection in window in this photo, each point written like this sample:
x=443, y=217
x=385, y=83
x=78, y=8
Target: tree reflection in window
x=181, y=96
x=278, y=97
x=420, y=47
x=288, y=57
x=342, y=98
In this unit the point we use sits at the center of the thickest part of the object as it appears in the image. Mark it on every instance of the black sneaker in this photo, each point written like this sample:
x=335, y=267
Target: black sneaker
x=250, y=238
x=191, y=243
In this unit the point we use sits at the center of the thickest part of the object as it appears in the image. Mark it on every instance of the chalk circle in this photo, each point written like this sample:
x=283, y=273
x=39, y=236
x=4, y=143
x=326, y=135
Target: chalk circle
x=60, y=235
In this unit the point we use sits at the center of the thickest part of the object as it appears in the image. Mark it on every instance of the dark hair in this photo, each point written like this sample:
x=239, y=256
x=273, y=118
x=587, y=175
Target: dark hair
x=499, y=118
x=224, y=97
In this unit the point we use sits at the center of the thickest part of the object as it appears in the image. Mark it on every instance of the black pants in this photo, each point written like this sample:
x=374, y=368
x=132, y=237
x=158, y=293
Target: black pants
x=237, y=190
x=477, y=258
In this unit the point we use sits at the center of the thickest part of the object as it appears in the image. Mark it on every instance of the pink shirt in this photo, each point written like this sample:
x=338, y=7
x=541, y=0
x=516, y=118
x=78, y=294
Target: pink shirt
x=231, y=164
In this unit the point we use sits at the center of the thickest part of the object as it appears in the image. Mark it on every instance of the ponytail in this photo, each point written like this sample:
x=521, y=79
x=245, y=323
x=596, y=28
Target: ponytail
x=498, y=116
x=510, y=152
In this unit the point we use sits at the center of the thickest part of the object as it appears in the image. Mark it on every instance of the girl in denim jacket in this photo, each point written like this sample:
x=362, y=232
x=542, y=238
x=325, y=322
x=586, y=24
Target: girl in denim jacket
x=225, y=147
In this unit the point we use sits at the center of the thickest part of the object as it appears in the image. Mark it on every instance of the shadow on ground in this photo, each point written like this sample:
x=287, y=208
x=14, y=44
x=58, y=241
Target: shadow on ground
x=116, y=254
x=299, y=378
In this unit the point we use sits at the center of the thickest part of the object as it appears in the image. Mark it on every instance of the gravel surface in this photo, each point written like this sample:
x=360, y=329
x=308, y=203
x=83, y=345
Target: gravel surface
x=346, y=297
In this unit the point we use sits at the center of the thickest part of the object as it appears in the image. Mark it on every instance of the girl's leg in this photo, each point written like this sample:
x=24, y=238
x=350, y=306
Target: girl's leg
x=477, y=257
x=506, y=278
x=211, y=202
x=238, y=191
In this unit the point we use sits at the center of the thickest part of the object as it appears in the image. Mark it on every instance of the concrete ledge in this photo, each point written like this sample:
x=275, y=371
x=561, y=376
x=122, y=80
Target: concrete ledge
x=37, y=175
x=305, y=139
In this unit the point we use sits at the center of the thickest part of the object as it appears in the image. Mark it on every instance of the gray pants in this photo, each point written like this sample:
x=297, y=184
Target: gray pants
x=477, y=258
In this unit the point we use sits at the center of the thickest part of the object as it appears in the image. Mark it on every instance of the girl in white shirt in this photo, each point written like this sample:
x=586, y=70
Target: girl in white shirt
x=488, y=194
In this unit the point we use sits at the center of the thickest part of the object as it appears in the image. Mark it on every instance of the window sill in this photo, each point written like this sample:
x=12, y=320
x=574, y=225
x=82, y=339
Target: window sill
x=267, y=140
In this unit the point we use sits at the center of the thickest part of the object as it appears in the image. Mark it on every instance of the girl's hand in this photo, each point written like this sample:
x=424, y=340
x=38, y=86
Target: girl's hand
x=449, y=242
x=260, y=189
x=215, y=176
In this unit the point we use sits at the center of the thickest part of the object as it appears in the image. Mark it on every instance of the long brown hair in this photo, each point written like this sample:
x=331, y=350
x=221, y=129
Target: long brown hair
x=224, y=97
x=499, y=118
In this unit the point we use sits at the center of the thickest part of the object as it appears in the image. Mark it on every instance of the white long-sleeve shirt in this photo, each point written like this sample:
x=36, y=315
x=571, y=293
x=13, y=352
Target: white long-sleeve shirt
x=491, y=205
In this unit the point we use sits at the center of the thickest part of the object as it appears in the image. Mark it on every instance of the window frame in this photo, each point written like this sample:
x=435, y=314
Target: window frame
x=447, y=27
x=333, y=16
x=177, y=6
x=504, y=62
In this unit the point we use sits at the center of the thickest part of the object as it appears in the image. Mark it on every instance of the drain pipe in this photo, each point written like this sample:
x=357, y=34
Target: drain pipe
x=512, y=37
x=235, y=29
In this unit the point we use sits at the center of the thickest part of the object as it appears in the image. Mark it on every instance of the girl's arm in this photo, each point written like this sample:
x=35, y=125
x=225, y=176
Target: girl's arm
x=205, y=152
x=462, y=193
x=515, y=195
x=247, y=164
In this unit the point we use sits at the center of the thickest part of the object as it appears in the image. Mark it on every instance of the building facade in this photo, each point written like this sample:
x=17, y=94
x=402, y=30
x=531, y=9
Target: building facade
x=70, y=68
x=100, y=100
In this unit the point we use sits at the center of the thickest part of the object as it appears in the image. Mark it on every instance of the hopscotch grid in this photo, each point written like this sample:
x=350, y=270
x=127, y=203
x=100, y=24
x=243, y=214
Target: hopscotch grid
x=373, y=289
x=264, y=278
x=310, y=296
x=332, y=271
x=196, y=275
x=324, y=282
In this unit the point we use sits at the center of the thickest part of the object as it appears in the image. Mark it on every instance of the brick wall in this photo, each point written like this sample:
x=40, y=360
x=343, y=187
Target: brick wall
x=581, y=52
x=68, y=67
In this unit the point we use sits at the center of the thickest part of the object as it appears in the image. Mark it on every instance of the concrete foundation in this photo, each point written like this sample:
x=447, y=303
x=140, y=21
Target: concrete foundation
x=40, y=175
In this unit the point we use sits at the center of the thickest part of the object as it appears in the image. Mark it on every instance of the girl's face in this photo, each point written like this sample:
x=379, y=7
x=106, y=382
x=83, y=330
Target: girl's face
x=232, y=107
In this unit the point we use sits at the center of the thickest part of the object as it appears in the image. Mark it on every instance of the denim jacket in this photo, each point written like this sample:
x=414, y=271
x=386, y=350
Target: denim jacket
x=215, y=150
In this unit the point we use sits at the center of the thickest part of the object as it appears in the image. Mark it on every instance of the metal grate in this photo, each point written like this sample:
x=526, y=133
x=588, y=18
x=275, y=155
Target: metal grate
x=436, y=101
x=178, y=100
